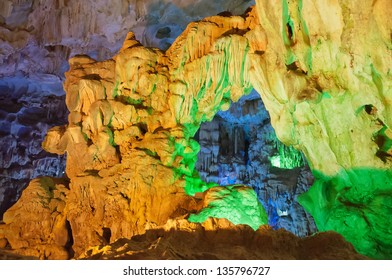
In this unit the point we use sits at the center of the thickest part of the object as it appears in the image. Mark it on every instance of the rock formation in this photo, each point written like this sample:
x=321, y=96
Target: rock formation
x=325, y=79
x=36, y=40
x=27, y=111
x=218, y=239
x=322, y=70
x=239, y=146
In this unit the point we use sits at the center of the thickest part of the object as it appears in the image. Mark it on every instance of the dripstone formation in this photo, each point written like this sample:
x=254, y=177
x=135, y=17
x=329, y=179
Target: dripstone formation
x=322, y=69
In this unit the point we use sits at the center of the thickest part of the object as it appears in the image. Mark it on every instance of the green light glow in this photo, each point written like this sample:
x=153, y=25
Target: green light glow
x=287, y=157
x=238, y=204
x=377, y=80
x=357, y=203
x=290, y=37
x=287, y=21
x=275, y=161
x=305, y=33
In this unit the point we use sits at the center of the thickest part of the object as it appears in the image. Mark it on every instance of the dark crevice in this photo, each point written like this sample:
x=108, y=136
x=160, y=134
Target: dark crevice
x=92, y=77
x=290, y=32
x=382, y=155
x=149, y=153
x=382, y=136
x=317, y=86
x=225, y=14
x=91, y=172
x=292, y=66
x=136, y=103
x=159, y=129
x=143, y=128
x=247, y=11
x=370, y=109
x=118, y=152
x=70, y=242
x=126, y=197
x=295, y=68
x=259, y=52
x=383, y=141
x=106, y=234
x=163, y=32
x=236, y=31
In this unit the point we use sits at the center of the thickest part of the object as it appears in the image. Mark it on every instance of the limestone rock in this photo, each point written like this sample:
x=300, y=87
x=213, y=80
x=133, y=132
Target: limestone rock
x=47, y=34
x=26, y=112
x=36, y=225
x=119, y=187
x=102, y=210
x=3, y=243
x=238, y=204
x=238, y=147
x=37, y=38
x=322, y=69
x=219, y=239
x=325, y=80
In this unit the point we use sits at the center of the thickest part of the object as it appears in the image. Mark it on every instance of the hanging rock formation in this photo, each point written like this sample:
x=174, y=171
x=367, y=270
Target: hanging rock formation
x=130, y=152
x=322, y=70
x=239, y=146
x=36, y=40
x=325, y=79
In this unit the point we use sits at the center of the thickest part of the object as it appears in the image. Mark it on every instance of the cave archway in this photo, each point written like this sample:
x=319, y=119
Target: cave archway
x=239, y=146
x=129, y=141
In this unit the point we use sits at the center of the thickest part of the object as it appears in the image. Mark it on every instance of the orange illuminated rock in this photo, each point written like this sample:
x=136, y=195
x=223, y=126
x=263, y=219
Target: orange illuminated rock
x=318, y=66
x=37, y=223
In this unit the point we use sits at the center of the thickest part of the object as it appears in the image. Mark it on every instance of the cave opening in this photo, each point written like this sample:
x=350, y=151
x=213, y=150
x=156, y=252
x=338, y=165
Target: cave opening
x=239, y=146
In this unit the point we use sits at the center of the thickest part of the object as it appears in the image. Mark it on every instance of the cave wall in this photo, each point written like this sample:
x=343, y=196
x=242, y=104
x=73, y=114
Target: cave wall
x=27, y=110
x=325, y=79
x=130, y=152
x=322, y=70
x=38, y=37
x=239, y=146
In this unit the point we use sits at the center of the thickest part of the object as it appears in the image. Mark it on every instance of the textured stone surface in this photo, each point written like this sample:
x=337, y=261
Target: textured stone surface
x=124, y=135
x=238, y=147
x=322, y=70
x=36, y=40
x=37, y=223
x=219, y=239
x=325, y=79
x=45, y=34
x=237, y=203
x=27, y=110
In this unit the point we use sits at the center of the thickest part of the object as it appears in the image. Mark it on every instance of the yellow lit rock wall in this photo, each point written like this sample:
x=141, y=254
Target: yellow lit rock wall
x=323, y=71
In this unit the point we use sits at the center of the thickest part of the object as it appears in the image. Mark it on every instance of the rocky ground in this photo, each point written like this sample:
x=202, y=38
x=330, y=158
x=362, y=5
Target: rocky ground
x=218, y=239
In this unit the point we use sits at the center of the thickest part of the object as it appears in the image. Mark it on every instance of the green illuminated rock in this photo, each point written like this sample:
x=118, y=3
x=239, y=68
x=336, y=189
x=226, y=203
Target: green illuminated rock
x=238, y=204
x=356, y=203
x=287, y=157
x=323, y=70
x=326, y=81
